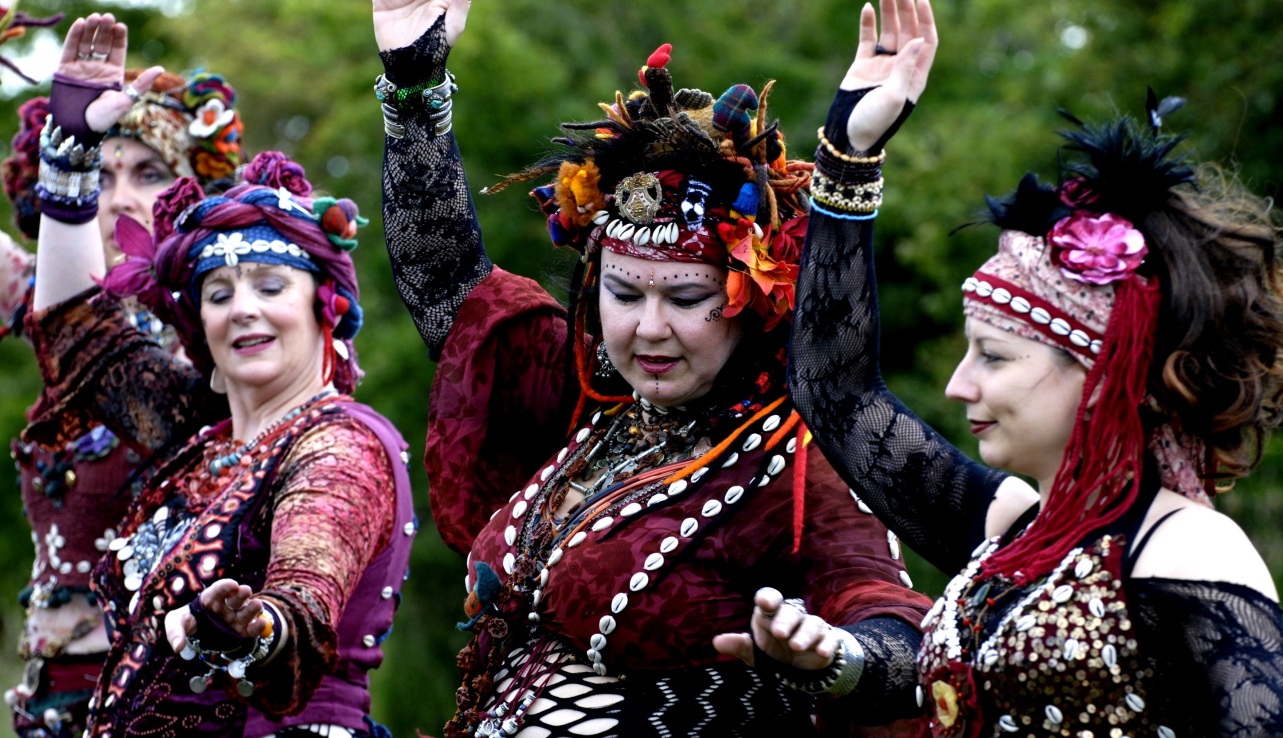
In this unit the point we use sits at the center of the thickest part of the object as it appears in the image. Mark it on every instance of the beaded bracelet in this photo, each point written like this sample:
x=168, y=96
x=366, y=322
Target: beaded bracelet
x=435, y=97
x=850, y=158
x=68, y=176
x=861, y=197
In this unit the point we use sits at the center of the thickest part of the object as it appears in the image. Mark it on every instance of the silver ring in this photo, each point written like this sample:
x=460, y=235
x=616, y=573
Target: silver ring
x=796, y=602
x=881, y=50
x=131, y=93
x=82, y=56
x=98, y=55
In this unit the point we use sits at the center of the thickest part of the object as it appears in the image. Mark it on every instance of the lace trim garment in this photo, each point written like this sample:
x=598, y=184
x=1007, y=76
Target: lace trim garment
x=433, y=237
x=1216, y=650
x=923, y=488
x=1214, y=645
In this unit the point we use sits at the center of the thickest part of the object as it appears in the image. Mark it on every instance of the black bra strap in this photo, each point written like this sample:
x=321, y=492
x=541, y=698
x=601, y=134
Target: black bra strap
x=1129, y=562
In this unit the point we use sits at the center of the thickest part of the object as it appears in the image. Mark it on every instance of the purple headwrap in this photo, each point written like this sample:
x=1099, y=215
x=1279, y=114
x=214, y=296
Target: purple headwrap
x=270, y=220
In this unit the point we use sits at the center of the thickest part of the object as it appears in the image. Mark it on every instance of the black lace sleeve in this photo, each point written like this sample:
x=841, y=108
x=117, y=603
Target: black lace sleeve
x=918, y=484
x=433, y=238
x=1216, y=651
x=886, y=689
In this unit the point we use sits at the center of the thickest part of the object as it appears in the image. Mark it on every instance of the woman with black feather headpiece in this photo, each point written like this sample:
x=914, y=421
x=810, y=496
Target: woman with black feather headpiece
x=1123, y=352
x=625, y=474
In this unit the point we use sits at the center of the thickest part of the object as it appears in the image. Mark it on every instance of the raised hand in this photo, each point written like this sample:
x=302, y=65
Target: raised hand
x=399, y=23
x=896, y=62
x=93, y=53
x=232, y=603
x=784, y=632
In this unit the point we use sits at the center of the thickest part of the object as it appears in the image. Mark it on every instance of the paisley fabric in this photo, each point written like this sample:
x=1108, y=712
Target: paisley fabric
x=1208, y=648
x=515, y=336
x=316, y=517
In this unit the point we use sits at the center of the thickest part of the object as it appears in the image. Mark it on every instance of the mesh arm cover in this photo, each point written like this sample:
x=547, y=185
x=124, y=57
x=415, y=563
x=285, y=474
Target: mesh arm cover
x=927, y=491
x=1217, y=655
x=886, y=691
x=433, y=238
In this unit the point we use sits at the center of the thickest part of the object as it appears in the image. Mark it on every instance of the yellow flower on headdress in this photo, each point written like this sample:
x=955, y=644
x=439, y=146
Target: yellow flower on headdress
x=577, y=192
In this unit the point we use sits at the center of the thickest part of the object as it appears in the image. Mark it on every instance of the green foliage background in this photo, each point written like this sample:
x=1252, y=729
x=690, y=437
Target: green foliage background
x=304, y=71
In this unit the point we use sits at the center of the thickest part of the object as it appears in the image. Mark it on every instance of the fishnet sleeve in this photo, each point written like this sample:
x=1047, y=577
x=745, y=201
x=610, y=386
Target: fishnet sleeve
x=921, y=486
x=432, y=234
x=1217, y=656
x=886, y=689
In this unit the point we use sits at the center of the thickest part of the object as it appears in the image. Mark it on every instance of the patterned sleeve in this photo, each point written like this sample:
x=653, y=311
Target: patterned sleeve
x=925, y=489
x=1217, y=653
x=97, y=368
x=432, y=234
x=334, y=508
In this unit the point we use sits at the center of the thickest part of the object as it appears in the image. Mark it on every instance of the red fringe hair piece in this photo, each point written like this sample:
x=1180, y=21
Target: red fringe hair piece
x=1099, y=476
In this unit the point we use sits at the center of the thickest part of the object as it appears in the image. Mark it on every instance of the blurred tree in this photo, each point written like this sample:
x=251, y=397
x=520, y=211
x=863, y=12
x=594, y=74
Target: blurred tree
x=304, y=72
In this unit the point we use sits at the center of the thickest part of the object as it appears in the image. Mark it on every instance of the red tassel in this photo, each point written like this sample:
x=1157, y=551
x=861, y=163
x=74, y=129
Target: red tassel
x=330, y=360
x=1099, y=476
x=799, y=486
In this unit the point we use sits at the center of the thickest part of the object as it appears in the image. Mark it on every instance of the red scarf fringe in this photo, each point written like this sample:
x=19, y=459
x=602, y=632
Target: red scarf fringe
x=1099, y=476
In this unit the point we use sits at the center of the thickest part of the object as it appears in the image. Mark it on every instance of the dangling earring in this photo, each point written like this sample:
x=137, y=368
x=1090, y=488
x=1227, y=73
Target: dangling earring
x=604, y=367
x=217, y=383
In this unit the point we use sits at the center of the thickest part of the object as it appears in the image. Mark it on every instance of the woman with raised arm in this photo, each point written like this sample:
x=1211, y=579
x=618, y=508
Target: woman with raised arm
x=76, y=491
x=255, y=575
x=1123, y=352
x=602, y=564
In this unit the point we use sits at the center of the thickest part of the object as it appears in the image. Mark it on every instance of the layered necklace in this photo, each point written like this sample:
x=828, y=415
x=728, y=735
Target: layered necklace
x=617, y=464
x=221, y=464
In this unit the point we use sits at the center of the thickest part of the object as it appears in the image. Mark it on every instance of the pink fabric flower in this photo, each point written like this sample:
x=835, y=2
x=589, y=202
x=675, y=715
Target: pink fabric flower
x=1097, y=249
x=274, y=169
x=171, y=203
x=136, y=275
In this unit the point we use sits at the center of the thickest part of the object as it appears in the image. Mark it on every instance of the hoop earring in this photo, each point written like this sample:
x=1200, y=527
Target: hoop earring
x=604, y=367
x=217, y=383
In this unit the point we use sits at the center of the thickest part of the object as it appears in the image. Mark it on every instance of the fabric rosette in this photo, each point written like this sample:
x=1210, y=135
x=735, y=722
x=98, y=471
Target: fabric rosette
x=765, y=283
x=274, y=169
x=952, y=692
x=1097, y=249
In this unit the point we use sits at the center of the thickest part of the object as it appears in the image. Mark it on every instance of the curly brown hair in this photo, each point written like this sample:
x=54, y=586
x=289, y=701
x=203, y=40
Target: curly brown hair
x=1220, y=327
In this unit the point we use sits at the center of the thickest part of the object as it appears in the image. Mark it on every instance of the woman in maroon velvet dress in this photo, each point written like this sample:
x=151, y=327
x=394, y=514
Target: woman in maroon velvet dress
x=624, y=474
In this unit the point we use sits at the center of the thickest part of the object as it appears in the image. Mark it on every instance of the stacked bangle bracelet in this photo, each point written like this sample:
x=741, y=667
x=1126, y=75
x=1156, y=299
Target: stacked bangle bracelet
x=68, y=183
x=436, y=98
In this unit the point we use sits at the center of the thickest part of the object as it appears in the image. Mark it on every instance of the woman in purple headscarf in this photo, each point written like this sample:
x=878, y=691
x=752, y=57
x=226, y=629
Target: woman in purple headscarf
x=256, y=573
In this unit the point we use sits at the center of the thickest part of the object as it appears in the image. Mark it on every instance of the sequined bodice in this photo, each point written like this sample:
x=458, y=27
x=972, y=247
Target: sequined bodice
x=1055, y=658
